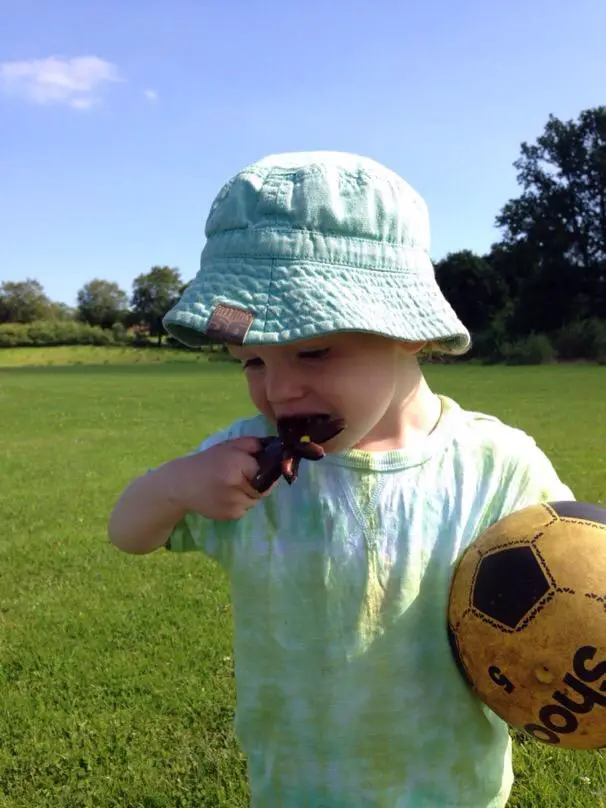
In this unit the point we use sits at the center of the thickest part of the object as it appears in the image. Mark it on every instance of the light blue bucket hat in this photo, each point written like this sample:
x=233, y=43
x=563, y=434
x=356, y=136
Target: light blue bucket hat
x=302, y=245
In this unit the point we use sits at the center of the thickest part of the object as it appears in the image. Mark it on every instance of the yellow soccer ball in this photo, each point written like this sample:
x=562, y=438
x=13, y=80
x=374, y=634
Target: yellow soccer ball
x=527, y=622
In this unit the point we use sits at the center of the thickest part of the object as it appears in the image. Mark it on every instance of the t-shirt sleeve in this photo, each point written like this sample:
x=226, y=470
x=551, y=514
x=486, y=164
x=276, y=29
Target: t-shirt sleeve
x=533, y=479
x=197, y=532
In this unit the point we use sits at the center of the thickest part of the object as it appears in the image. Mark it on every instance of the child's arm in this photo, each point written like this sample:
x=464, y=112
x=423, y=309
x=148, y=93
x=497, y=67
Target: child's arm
x=214, y=483
x=147, y=511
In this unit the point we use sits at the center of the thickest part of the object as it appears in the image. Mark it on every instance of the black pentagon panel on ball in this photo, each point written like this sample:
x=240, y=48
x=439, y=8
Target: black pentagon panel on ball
x=509, y=583
x=579, y=510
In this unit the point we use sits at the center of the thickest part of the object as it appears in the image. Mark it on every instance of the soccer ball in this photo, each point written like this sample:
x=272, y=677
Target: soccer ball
x=527, y=622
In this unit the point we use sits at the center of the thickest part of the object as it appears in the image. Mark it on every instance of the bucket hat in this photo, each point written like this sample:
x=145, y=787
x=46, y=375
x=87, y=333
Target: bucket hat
x=306, y=244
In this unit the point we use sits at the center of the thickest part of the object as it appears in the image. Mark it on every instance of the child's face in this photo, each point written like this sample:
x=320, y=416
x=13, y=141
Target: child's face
x=361, y=378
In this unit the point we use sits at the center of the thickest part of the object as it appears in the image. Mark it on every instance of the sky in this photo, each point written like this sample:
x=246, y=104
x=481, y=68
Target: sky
x=120, y=120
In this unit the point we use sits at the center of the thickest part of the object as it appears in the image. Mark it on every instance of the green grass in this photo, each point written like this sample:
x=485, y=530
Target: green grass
x=94, y=355
x=116, y=679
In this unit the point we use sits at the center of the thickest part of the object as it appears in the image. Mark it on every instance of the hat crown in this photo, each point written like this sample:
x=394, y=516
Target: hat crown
x=310, y=243
x=330, y=193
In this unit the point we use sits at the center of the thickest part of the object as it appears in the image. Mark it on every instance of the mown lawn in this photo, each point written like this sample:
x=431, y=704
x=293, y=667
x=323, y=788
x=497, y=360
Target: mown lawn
x=115, y=671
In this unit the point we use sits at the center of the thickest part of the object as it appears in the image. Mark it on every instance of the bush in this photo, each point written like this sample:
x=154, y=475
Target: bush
x=536, y=349
x=45, y=332
x=583, y=339
x=13, y=335
x=120, y=334
x=486, y=347
x=490, y=345
x=53, y=332
x=140, y=340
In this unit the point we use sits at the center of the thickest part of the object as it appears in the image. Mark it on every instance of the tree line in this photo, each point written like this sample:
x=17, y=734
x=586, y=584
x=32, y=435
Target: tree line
x=101, y=304
x=536, y=295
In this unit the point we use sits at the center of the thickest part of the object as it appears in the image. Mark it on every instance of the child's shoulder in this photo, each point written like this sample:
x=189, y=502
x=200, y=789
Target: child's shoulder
x=510, y=456
x=255, y=426
x=485, y=431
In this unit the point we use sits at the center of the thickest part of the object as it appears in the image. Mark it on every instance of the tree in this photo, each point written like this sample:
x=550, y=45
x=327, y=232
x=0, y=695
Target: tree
x=559, y=221
x=154, y=294
x=472, y=287
x=102, y=303
x=23, y=302
x=60, y=311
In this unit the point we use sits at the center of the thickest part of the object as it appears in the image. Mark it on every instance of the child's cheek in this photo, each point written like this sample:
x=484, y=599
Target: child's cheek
x=259, y=399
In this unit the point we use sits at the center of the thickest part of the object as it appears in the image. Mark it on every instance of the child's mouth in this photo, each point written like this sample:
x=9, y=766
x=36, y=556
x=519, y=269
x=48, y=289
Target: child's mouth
x=299, y=436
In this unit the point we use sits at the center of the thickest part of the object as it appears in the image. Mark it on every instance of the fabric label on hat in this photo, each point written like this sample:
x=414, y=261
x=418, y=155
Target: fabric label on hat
x=229, y=324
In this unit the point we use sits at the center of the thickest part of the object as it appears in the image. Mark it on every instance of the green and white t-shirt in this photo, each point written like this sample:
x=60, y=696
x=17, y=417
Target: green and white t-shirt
x=347, y=693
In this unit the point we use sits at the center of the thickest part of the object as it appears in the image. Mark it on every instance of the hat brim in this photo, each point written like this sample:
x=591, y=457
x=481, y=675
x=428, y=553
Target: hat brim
x=293, y=301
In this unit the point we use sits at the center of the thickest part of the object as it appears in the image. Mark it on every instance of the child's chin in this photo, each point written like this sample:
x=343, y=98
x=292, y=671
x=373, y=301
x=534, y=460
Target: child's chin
x=335, y=446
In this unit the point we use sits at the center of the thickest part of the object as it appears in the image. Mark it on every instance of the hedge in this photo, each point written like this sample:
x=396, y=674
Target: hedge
x=59, y=332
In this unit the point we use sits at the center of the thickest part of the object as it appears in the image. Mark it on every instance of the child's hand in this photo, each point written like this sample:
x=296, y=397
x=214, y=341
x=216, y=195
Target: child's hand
x=216, y=482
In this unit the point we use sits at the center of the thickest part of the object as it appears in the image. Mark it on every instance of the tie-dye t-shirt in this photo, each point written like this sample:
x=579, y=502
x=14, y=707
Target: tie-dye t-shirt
x=347, y=693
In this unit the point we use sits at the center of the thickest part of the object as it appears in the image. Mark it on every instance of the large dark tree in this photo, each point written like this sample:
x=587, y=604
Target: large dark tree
x=472, y=287
x=554, y=233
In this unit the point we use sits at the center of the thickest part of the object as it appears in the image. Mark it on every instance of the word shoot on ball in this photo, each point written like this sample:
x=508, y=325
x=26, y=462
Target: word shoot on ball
x=527, y=622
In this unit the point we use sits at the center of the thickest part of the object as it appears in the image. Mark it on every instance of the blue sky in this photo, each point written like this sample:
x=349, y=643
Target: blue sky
x=121, y=119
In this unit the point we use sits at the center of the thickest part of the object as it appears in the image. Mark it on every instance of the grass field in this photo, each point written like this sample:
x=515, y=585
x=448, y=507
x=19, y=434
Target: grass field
x=116, y=679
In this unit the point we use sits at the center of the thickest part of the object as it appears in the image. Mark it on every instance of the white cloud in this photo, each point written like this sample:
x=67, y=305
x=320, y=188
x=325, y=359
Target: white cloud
x=82, y=103
x=151, y=95
x=75, y=82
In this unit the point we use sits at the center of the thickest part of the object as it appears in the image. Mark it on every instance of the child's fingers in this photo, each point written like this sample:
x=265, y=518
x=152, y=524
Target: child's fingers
x=248, y=444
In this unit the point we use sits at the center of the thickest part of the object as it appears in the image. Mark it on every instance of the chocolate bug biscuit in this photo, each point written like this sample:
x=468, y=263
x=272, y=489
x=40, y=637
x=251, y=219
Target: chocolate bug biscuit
x=299, y=437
